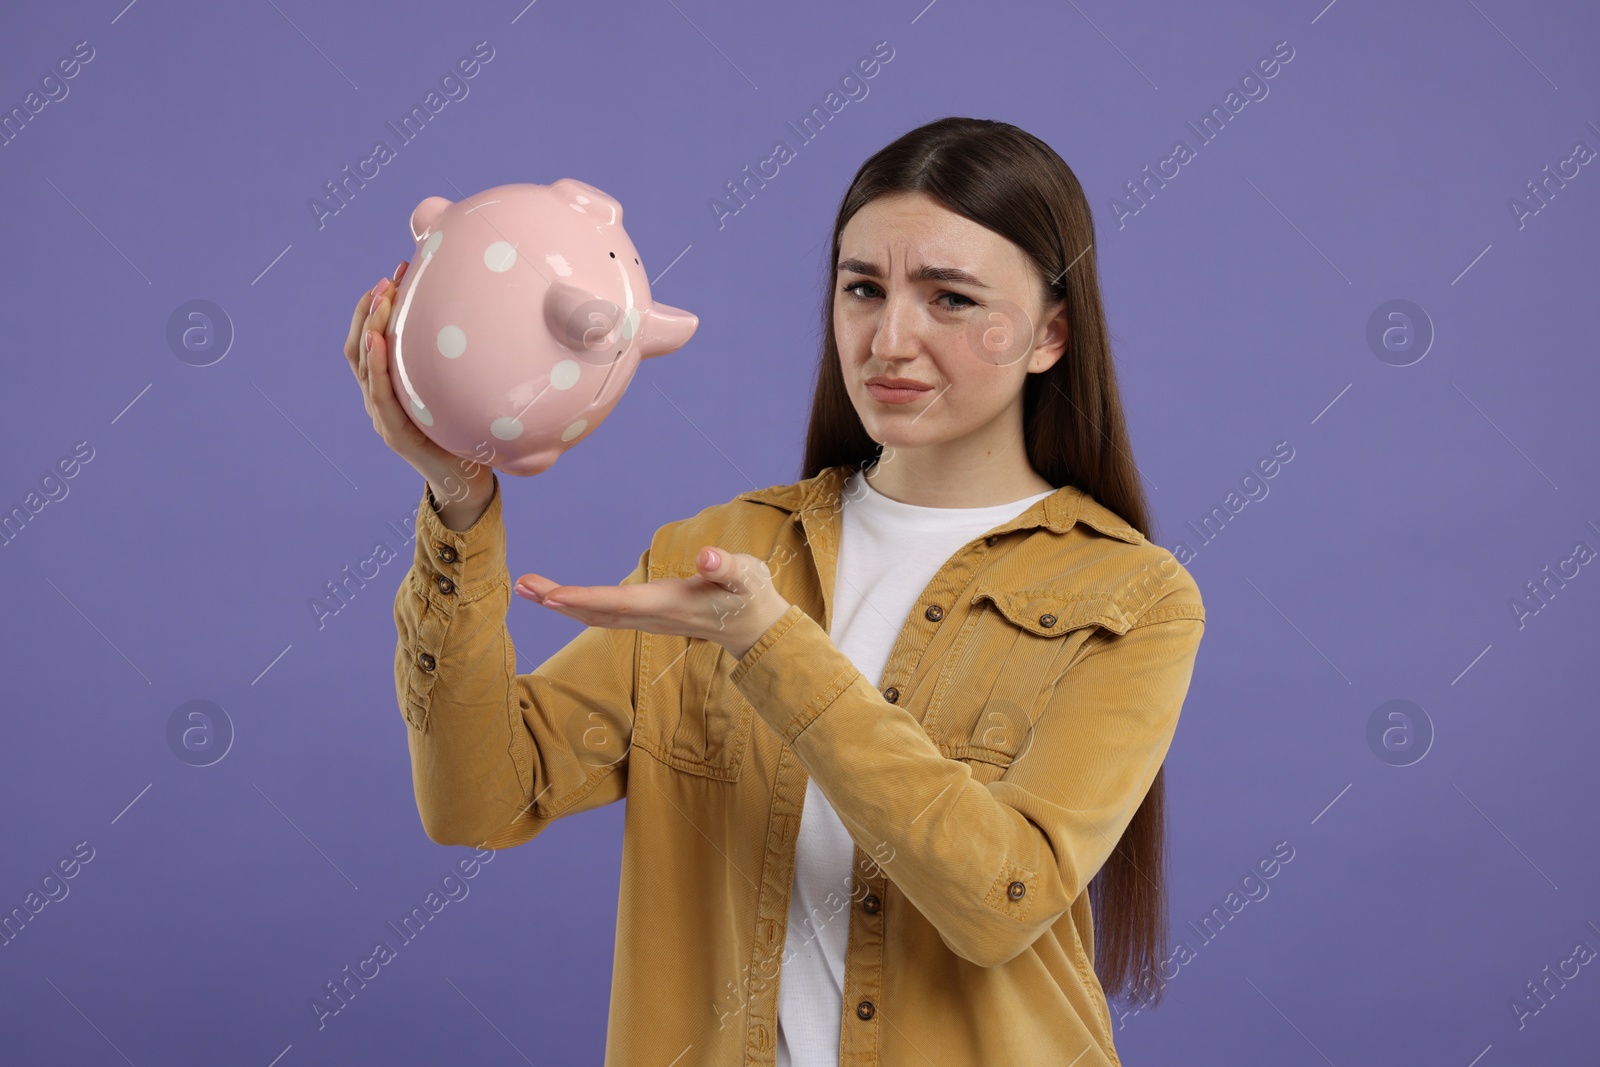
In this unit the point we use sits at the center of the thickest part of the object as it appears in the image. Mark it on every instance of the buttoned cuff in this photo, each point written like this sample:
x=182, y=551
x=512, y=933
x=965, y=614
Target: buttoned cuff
x=466, y=564
x=793, y=673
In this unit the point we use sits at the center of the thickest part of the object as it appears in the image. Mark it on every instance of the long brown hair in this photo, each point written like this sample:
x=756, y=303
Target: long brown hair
x=1009, y=181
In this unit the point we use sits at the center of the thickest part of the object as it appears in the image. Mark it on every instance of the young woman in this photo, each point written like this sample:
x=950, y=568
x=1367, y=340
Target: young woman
x=891, y=736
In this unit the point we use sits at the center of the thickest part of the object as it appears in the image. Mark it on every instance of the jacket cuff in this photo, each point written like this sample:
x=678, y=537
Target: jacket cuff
x=793, y=673
x=461, y=565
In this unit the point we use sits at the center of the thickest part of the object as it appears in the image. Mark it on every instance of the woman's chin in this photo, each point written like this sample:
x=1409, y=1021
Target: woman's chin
x=899, y=433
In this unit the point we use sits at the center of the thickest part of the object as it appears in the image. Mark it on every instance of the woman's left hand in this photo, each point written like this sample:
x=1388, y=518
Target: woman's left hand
x=731, y=601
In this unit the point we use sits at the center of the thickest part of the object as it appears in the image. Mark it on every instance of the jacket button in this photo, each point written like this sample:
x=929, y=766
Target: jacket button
x=1015, y=890
x=934, y=612
x=891, y=694
x=864, y=1009
x=446, y=585
x=426, y=661
x=870, y=903
x=1047, y=620
x=447, y=553
x=990, y=540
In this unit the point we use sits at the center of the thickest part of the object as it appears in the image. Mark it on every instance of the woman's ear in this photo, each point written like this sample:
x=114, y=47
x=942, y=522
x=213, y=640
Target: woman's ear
x=1054, y=344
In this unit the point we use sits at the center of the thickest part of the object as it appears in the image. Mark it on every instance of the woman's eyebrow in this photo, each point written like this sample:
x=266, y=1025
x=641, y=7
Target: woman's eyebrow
x=925, y=274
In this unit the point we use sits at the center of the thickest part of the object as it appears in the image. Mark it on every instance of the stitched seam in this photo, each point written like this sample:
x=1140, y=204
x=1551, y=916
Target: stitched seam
x=1071, y=617
x=520, y=741
x=822, y=702
x=768, y=639
x=1102, y=1015
x=1170, y=612
x=999, y=901
x=572, y=798
x=956, y=659
x=471, y=594
x=419, y=687
x=737, y=738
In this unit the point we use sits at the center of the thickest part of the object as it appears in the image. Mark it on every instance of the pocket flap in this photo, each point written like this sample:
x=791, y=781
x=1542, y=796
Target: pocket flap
x=1049, y=613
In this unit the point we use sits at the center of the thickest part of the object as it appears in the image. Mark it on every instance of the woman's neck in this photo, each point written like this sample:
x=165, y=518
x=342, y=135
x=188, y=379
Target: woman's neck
x=912, y=476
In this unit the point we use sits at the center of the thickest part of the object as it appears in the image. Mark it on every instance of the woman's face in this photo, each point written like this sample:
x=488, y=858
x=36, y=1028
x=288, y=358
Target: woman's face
x=903, y=309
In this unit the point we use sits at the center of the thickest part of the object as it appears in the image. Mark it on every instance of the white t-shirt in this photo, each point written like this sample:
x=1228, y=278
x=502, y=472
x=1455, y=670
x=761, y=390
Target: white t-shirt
x=888, y=552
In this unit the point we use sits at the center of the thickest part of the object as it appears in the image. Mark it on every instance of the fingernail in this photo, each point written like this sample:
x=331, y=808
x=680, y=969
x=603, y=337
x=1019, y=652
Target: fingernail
x=712, y=559
x=379, y=289
x=366, y=341
x=547, y=602
x=400, y=268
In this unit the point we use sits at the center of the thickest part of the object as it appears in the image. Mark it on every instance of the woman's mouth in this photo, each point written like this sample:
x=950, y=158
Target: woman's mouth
x=890, y=394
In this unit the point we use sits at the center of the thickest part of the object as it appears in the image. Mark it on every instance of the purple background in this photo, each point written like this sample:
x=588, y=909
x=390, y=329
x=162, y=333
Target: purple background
x=1420, y=500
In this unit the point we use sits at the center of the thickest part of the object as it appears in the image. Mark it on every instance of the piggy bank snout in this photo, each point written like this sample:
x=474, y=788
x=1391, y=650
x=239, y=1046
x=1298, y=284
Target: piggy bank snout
x=588, y=323
x=666, y=329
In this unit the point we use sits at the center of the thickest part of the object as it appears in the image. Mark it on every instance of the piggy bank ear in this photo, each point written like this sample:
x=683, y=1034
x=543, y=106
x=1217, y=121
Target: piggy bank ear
x=588, y=199
x=666, y=329
x=426, y=214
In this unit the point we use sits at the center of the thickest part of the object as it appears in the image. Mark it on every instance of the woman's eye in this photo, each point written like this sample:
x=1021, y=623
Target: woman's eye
x=854, y=287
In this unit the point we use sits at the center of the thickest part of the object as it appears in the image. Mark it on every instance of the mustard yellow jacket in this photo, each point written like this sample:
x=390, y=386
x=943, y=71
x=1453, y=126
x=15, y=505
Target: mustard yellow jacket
x=1025, y=709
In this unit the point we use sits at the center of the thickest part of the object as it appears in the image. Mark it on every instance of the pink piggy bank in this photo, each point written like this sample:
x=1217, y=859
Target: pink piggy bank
x=521, y=320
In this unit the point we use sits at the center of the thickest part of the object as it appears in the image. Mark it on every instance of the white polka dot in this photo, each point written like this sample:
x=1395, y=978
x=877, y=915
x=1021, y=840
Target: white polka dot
x=506, y=428
x=564, y=375
x=431, y=245
x=420, y=412
x=574, y=430
x=500, y=256
x=452, y=342
x=630, y=323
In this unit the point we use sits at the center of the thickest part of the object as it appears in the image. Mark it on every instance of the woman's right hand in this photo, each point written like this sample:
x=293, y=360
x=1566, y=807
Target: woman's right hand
x=367, y=350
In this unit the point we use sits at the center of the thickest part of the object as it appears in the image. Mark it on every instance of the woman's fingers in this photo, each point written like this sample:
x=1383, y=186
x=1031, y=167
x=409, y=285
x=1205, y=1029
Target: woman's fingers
x=378, y=385
x=739, y=573
x=534, y=586
x=368, y=315
x=383, y=299
x=378, y=313
x=682, y=606
x=358, y=319
x=364, y=373
x=367, y=349
x=377, y=320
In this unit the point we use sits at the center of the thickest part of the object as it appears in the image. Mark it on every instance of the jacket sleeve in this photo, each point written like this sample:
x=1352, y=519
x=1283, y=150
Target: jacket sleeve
x=496, y=756
x=954, y=845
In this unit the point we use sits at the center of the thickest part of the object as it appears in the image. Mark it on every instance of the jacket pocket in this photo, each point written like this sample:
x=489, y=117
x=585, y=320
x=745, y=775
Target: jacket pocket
x=1008, y=656
x=701, y=723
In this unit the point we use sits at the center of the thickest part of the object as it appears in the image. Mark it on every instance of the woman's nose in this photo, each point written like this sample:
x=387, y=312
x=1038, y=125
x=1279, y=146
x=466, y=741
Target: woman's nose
x=898, y=328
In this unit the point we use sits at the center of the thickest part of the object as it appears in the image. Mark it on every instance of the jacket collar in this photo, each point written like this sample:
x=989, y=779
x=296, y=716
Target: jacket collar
x=1058, y=512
